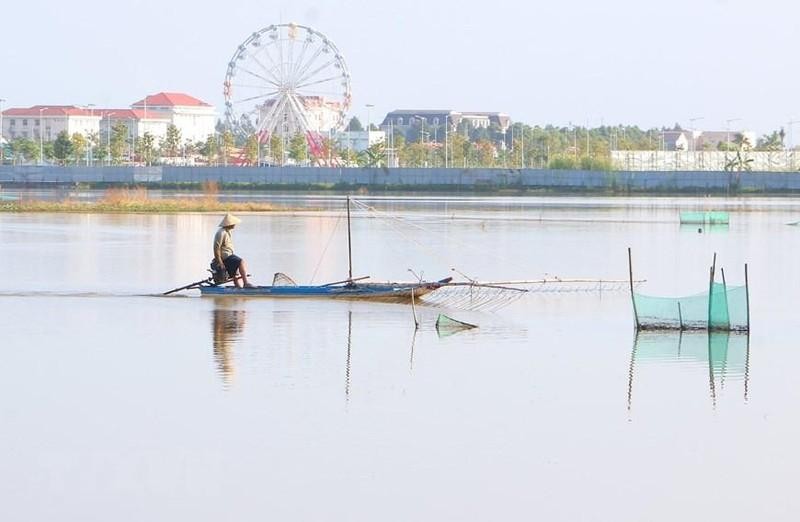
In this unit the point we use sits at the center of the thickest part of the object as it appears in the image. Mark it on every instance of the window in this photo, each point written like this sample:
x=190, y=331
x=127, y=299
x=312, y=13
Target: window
x=400, y=120
x=12, y=122
x=24, y=123
x=436, y=121
x=36, y=122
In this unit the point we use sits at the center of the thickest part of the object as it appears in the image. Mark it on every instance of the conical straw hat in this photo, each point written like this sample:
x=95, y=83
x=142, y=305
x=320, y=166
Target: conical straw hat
x=230, y=220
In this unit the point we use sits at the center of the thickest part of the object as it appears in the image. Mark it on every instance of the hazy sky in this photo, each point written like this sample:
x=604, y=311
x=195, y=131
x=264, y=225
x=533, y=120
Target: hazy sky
x=618, y=61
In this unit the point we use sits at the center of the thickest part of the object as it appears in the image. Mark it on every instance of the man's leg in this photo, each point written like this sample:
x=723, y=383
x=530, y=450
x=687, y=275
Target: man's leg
x=243, y=273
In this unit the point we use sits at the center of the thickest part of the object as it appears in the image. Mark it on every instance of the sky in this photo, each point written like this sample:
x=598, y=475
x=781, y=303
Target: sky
x=558, y=62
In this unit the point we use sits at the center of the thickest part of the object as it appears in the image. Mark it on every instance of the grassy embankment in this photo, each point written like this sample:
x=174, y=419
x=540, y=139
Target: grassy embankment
x=137, y=200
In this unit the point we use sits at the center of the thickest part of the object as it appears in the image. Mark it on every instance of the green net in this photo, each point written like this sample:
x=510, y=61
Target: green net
x=727, y=310
x=705, y=218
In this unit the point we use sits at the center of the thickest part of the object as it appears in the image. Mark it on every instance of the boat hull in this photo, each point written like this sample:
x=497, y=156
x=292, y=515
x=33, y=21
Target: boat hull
x=386, y=292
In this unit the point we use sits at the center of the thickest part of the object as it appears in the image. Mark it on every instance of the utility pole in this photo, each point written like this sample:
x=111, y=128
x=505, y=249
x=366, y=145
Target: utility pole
x=41, y=136
x=108, y=137
x=728, y=131
x=2, y=143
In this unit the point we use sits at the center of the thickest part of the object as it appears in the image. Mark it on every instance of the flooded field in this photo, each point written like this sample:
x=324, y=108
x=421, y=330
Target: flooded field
x=117, y=404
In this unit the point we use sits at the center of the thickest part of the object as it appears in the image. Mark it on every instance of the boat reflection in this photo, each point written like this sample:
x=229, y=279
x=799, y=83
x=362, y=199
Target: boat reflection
x=726, y=355
x=228, y=321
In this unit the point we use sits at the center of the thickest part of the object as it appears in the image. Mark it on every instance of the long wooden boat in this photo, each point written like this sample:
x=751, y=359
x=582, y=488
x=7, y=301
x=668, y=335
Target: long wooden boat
x=386, y=292
x=350, y=288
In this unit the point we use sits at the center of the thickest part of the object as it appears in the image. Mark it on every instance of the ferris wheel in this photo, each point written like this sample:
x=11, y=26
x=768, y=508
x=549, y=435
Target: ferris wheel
x=284, y=80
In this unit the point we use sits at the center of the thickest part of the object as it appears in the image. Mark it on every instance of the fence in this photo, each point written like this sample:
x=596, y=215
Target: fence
x=433, y=178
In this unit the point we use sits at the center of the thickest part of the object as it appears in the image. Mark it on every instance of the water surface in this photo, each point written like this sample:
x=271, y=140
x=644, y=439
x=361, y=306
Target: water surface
x=118, y=405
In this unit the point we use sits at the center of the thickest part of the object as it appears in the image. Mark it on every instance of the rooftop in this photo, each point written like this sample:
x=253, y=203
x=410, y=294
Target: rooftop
x=170, y=99
x=49, y=110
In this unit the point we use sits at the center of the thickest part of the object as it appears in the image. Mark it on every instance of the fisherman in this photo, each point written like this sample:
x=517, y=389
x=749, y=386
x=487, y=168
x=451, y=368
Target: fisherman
x=224, y=258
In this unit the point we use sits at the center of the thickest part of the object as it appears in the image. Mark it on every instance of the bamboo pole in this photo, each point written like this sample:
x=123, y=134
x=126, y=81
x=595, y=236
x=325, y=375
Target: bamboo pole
x=680, y=316
x=747, y=296
x=630, y=280
x=725, y=296
x=349, y=243
x=414, y=311
x=711, y=290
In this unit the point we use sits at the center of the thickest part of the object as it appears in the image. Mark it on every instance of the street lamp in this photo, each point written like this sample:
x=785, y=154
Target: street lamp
x=368, y=106
x=2, y=143
x=691, y=126
x=728, y=131
x=789, y=124
x=41, y=136
x=108, y=137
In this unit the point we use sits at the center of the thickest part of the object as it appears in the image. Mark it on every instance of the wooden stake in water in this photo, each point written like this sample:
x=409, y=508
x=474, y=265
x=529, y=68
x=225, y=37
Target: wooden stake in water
x=414, y=311
x=630, y=278
x=349, y=243
x=711, y=289
x=747, y=296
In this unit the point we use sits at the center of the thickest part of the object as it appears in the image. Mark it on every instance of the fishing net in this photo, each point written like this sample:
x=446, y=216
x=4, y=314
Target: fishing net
x=281, y=279
x=704, y=218
x=447, y=326
x=492, y=296
x=468, y=296
x=723, y=308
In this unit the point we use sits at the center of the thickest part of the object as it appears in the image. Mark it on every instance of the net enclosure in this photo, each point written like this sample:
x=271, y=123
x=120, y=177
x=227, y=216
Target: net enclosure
x=720, y=308
x=705, y=218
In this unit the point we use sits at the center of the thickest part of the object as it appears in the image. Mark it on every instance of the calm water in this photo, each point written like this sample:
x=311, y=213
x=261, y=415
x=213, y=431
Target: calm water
x=117, y=405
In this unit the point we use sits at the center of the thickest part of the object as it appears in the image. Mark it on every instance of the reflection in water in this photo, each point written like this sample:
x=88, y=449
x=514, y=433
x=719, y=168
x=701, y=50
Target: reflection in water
x=347, y=364
x=725, y=354
x=228, y=325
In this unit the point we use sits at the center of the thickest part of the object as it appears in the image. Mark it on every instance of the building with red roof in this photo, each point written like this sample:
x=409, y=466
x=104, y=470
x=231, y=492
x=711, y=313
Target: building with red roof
x=45, y=122
x=195, y=119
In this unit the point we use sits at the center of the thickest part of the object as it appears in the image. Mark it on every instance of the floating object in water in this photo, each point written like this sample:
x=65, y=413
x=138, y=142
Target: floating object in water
x=448, y=326
x=705, y=218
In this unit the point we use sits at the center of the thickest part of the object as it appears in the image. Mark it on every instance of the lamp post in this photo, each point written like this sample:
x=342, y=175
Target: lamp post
x=90, y=148
x=368, y=106
x=108, y=137
x=790, y=144
x=2, y=143
x=691, y=126
x=728, y=131
x=790, y=124
x=41, y=136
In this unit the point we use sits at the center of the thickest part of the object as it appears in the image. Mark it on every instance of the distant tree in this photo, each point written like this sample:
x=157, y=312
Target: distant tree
x=355, y=124
x=119, y=140
x=251, y=150
x=209, y=149
x=145, y=148
x=228, y=142
x=62, y=148
x=49, y=153
x=771, y=142
x=374, y=156
x=79, y=148
x=171, y=142
x=276, y=151
x=92, y=141
x=24, y=150
x=298, y=148
x=486, y=153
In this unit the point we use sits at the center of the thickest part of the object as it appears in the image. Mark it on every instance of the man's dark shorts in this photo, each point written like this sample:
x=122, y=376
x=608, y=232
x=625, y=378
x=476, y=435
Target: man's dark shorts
x=232, y=263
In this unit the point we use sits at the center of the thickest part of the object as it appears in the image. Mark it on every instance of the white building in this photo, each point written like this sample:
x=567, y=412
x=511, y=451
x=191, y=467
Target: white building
x=45, y=122
x=195, y=119
x=137, y=122
x=359, y=141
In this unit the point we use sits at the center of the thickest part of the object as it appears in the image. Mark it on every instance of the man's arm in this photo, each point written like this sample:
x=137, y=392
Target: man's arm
x=218, y=250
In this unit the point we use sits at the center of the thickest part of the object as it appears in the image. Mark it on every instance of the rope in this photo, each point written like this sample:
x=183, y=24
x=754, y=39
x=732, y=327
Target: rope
x=325, y=250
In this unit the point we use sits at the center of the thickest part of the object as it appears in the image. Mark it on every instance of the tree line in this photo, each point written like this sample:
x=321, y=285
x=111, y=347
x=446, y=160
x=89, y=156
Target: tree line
x=418, y=145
